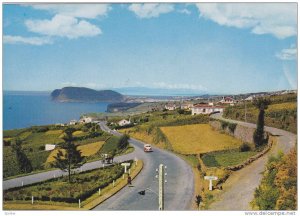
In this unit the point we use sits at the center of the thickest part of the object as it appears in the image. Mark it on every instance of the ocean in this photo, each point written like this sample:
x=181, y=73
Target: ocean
x=25, y=109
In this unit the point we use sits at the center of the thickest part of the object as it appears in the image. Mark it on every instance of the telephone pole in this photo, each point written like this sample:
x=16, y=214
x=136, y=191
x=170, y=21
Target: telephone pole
x=161, y=183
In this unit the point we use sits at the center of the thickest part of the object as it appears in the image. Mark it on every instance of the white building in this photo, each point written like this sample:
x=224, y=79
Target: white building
x=227, y=100
x=186, y=106
x=73, y=122
x=124, y=122
x=171, y=107
x=250, y=98
x=206, y=109
x=49, y=147
x=86, y=119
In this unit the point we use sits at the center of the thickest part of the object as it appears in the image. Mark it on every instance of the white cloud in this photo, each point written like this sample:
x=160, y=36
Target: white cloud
x=63, y=26
x=179, y=86
x=278, y=19
x=184, y=11
x=89, y=11
x=287, y=54
x=9, y=39
x=148, y=10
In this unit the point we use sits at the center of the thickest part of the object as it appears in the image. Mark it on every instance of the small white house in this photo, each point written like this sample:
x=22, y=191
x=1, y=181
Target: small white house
x=171, y=107
x=206, y=109
x=86, y=119
x=186, y=106
x=124, y=122
x=250, y=98
x=49, y=147
x=73, y=122
x=227, y=100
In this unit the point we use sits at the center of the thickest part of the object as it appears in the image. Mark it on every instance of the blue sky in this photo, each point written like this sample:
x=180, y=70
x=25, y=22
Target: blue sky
x=214, y=48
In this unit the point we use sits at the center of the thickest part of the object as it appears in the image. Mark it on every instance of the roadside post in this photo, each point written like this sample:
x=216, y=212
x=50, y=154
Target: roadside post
x=79, y=204
x=125, y=165
x=99, y=191
x=210, y=178
x=32, y=198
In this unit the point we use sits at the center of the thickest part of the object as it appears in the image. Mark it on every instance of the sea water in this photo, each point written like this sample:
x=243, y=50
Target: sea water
x=25, y=109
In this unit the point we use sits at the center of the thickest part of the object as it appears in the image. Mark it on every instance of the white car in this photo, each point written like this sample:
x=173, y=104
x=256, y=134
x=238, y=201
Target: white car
x=147, y=148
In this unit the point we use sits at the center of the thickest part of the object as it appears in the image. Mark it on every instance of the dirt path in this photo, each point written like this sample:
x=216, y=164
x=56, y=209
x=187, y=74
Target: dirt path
x=240, y=186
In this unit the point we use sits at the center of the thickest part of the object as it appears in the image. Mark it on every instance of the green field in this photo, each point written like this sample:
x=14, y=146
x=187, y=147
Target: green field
x=33, y=144
x=226, y=158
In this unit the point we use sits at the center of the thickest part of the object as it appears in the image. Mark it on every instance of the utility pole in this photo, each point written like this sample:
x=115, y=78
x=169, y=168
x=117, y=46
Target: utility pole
x=161, y=183
x=245, y=111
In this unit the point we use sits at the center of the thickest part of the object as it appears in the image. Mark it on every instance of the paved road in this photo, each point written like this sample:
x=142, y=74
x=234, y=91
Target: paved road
x=178, y=189
x=240, y=186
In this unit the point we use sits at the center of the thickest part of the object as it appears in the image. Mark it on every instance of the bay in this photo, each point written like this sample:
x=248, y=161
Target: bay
x=25, y=109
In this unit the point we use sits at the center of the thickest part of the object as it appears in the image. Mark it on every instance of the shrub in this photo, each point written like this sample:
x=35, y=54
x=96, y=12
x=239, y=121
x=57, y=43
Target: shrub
x=224, y=125
x=231, y=127
x=245, y=147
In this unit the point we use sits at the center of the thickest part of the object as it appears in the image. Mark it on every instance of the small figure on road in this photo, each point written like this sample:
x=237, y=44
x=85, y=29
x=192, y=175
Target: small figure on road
x=129, y=180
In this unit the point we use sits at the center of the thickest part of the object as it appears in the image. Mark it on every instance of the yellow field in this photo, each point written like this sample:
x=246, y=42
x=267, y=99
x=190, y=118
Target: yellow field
x=86, y=150
x=199, y=138
x=278, y=107
x=53, y=132
x=76, y=133
x=141, y=135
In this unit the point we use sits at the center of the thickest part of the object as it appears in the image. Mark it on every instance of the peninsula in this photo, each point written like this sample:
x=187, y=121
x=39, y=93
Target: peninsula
x=81, y=94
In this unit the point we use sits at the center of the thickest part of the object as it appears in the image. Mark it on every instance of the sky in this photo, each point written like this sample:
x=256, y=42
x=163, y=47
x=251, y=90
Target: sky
x=223, y=48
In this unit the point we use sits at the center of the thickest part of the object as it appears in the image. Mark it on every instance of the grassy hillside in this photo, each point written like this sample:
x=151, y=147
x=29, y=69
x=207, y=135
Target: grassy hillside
x=282, y=113
x=33, y=144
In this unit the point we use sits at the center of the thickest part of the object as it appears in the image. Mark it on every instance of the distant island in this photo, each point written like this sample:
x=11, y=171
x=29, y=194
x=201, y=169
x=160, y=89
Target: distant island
x=81, y=94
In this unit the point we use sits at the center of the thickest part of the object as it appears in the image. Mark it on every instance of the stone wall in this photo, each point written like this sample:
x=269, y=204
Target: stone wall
x=241, y=132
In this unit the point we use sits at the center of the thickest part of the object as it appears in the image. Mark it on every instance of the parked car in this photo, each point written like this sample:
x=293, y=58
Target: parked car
x=147, y=148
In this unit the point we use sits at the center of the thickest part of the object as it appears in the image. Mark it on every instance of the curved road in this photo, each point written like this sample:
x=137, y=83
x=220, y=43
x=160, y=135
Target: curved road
x=179, y=188
x=240, y=186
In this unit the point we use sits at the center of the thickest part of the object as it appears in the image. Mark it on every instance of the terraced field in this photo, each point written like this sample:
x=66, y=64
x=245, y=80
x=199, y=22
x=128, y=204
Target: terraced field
x=199, y=138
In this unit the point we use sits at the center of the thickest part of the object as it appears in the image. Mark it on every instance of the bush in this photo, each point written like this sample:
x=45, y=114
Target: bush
x=231, y=127
x=245, y=147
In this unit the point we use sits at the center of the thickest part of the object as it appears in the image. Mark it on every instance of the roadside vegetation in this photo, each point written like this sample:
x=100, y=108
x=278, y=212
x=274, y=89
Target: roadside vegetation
x=82, y=186
x=278, y=189
x=281, y=113
x=226, y=158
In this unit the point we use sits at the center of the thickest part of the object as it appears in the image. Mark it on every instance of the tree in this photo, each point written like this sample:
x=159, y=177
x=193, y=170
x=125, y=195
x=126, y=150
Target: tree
x=262, y=105
x=69, y=157
x=123, y=142
x=24, y=163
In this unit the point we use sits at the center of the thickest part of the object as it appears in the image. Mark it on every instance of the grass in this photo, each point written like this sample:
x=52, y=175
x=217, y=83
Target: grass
x=280, y=114
x=110, y=145
x=60, y=190
x=54, y=132
x=86, y=150
x=89, y=203
x=200, y=138
x=226, y=158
